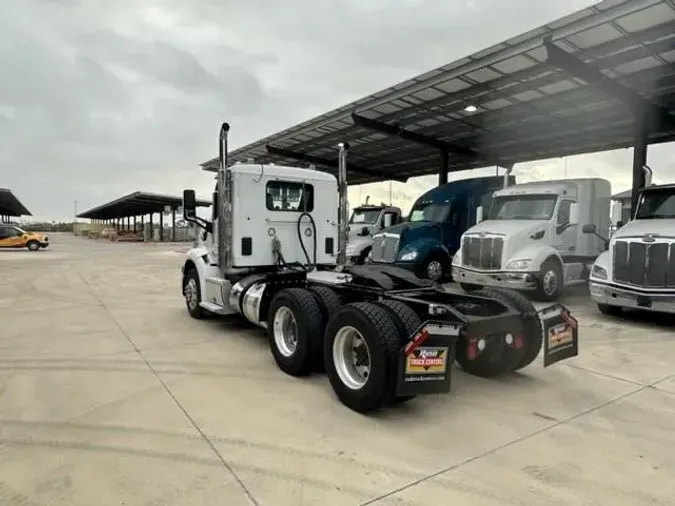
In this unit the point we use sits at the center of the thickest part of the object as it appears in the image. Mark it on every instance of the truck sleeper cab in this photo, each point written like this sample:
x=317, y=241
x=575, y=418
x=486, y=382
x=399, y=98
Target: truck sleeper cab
x=426, y=242
x=382, y=335
x=533, y=238
x=638, y=269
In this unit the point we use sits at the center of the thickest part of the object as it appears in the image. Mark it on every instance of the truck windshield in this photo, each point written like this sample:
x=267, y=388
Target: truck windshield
x=522, y=207
x=367, y=216
x=428, y=211
x=656, y=205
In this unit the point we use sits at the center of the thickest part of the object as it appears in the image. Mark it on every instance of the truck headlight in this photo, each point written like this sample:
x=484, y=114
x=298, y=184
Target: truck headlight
x=456, y=260
x=409, y=256
x=519, y=264
x=349, y=250
x=598, y=272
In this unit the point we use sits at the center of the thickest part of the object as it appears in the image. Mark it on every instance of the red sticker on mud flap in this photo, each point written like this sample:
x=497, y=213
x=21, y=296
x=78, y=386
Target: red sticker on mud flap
x=569, y=319
x=421, y=336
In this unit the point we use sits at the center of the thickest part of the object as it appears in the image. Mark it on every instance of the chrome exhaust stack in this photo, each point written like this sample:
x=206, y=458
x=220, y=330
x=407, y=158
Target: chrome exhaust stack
x=343, y=205
x=225, y=193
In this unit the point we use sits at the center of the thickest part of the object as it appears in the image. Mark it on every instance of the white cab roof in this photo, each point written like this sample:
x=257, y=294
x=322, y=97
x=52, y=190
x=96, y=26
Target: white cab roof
x=554, y=187
x=283, y=172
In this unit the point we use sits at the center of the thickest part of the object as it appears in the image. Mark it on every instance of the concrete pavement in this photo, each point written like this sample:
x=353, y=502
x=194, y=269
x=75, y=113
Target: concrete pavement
x=110, y=394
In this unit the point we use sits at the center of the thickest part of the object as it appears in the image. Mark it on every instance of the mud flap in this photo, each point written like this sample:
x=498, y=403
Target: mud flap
x=561, y=334
x=425, y=363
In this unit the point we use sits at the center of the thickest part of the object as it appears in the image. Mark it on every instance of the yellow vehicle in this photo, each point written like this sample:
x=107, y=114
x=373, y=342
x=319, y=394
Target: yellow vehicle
x=12, y=236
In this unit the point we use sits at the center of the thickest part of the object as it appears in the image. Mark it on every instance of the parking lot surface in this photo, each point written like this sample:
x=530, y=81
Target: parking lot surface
x=110, y=394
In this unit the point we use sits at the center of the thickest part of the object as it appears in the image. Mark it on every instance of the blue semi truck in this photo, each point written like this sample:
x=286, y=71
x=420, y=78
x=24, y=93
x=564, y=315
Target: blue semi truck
x=426, y=242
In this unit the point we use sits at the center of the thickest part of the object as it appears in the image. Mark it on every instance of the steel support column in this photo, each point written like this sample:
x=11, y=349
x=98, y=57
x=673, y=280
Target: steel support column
x=444, y=168
x=161, y=227
x=152, y=229
x=173, y=224
x=134, y=224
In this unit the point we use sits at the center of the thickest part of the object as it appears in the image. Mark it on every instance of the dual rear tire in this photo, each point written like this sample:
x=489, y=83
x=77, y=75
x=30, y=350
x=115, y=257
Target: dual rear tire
x=356, y=344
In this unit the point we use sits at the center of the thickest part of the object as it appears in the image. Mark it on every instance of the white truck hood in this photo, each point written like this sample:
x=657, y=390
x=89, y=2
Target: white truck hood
x=638, y=228
x=508, y=227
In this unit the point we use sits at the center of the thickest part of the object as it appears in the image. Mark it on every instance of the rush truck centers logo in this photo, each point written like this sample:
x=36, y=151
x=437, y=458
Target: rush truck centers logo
x=427, y=360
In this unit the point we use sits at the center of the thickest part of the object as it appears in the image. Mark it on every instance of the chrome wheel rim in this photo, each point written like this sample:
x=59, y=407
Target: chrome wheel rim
x=434, y=270
x=351, y=357
x=191, y=295
x=285, y=331
x=550, y=282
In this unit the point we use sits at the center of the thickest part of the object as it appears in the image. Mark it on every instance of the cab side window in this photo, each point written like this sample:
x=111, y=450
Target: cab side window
x=3, y=233
x=388, y=219
x=564, y=212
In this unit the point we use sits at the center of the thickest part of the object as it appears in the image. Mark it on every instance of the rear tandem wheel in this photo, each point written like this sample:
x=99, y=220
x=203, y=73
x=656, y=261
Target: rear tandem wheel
x=361, y=346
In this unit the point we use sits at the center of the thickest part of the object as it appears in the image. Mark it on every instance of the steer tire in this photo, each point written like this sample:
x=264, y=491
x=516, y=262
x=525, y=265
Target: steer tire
x=194, y=309
x=33, y=245
x=407, y=322
x=303, y=359
x=533, y=329
x=329, y=304
x=381, y=336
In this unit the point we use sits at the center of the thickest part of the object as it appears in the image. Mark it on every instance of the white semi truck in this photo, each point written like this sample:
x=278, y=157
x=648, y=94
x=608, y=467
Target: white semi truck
x=533, y=237
x=638, y=269
x=366, y=221
x=274, y=253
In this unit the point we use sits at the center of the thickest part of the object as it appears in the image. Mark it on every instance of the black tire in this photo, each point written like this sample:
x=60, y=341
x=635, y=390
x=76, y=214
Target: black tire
x=551, y=267
x=306, y=313
x=501, y=358
x=469, y=287
x=363, y=257
x=33, y=245
x=534, y=332
x=192, y=299
x=329, y=304
x=381, y=336
x=608, y=310
x=407, y=322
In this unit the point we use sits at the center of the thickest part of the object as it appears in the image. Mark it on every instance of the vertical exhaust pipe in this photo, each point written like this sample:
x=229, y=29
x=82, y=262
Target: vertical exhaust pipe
x=648, y=175
x=342, y=204
x=224, y=214
x=507, y=174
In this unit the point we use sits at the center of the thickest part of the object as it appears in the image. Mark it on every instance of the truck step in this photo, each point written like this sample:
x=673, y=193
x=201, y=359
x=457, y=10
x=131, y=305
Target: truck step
x=215, y=308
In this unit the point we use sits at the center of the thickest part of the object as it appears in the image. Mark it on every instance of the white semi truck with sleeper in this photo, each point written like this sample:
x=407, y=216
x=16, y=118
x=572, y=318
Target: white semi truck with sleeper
x=275, y=252
x=533, y=237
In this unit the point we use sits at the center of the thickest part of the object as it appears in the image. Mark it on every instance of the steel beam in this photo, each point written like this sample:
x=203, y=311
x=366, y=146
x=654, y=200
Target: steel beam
x=399, y=131
x=654, y=115
x=303, y=157
x=639, y=161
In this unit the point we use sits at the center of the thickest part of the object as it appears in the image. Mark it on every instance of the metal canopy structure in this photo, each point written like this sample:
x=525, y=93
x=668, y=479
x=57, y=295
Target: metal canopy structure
x=10, y=205
x=136, y=204
x=602, y=78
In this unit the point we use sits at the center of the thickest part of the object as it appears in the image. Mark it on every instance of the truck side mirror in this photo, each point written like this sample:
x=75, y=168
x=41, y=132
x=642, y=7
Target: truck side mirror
x=617, y=210
x=479, y=214
x=189, y=204
x=589, y=229
x=574, y=214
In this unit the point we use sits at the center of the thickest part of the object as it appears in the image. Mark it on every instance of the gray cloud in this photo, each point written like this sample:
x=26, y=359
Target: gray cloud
x=102, y=98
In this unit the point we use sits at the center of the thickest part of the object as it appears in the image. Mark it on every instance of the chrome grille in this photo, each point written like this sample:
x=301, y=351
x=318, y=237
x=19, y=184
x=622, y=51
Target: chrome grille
x=482, y=252
x=385, y=248
x=640, y=263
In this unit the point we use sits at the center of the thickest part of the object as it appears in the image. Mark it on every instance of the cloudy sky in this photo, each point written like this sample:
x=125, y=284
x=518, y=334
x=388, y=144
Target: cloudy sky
x=101, y=98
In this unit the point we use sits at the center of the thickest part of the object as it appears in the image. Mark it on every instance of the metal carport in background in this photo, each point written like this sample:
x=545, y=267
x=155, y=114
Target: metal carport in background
x=10, y=206
x=600, y=79
x=138, y=205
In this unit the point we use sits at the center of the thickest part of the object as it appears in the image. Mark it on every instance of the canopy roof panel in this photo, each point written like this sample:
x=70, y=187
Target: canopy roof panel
x=136, y=204
x=10, y=205
x=526, y=107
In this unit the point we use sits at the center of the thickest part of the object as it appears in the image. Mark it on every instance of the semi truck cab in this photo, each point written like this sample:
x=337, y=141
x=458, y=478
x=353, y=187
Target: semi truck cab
x=533, y=237
x=426, y=242
x=366, y=221
x=638, y=269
